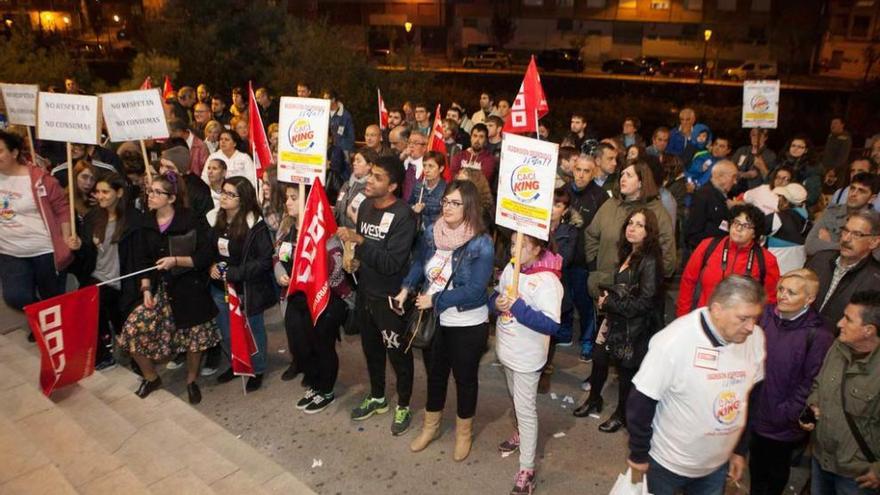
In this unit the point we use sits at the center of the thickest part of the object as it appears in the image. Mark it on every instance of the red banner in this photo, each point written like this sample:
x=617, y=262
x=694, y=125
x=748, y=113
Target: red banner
x=257, y=135
x=66, y=329
x=309, y=273
x=530, y=104
x=383, y=112
x=241, y=340
x=168, y=90
x=148, y=83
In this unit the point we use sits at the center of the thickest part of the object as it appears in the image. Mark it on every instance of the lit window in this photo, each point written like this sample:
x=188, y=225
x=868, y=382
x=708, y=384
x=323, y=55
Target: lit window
x=627, y=4
x=659, y=4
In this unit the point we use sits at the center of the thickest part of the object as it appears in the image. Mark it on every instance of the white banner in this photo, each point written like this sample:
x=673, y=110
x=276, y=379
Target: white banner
x=760, y=104
x=134, y=115
x=69, y=118
x=303, y=127
x=20, y=101
x=526, y=180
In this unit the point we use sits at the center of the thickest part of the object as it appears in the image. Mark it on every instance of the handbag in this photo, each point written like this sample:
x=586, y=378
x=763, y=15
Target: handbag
x=422, y=323
x=182, y=245
x=860, y=440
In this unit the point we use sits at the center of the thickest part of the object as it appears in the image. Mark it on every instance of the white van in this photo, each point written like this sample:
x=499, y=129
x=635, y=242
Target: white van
x=753, y=69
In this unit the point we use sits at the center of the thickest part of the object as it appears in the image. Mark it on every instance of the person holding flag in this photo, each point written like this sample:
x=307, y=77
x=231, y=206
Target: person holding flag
x=312, y=322
x=243, y=259
x=425, y=199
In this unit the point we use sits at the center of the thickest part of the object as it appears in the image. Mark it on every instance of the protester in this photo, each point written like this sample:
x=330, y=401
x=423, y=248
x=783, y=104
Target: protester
x=739, y=253
x=176, y=158
x=494, y=136
x=285, y=248
x=631, y=319
x=799, y=155
x=450, y=273
x=487, y=108
x=201, y=116
x=788, y=226
x=566, y=226
x=797, y=340
x=857, y=166
x=477, y=156
x=426, y=196
x=700, y=169
x=216, y=174
x=212, y=137
x=373, y=140
x=84, y=178
x=341, y=123
x=238, y=164
x=682, y=135
x=176, y=314
x=528, y=317
x=781, y=176
x=272, y=200
x=606, y=175
x=83, y=152
x=487, y=201
x=837, y=146
x=219, y=113
x=753, y=161
x=243, y=257
x=198, y=149
x=386, y=228
x=417, y=144
x=269, y=107
x=351, y=195
x=825, y=234
x=709, y=213
x=629, y=135
x=659, y=142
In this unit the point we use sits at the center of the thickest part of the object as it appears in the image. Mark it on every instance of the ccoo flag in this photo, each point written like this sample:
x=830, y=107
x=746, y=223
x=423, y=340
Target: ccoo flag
x=241, y=340
x=530, y=104
x=383, y=112
x=257, y=135
x=309, y=273
x=168, y=90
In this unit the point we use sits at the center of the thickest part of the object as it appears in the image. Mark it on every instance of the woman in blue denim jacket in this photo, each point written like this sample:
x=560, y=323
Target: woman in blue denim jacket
x=456, y=246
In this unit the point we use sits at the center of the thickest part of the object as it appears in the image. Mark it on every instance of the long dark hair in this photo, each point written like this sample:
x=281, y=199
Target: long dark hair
x=116, y=182
x=247, y=203
x=650, y=246
x=470, y=198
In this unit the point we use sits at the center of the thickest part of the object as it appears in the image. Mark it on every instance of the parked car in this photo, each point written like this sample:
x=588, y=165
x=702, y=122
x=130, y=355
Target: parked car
x=753, y=70
x=623, y=66
x=680, y=69
x=651, y=64
x=561, y=59
x=492, y=59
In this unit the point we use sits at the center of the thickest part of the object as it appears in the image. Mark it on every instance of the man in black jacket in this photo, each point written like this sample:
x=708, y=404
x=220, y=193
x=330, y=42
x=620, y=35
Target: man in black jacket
x=709, y=213
x=386, y=229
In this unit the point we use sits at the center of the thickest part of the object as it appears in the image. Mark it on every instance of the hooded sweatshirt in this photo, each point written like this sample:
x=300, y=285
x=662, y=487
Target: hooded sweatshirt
x=522, y=337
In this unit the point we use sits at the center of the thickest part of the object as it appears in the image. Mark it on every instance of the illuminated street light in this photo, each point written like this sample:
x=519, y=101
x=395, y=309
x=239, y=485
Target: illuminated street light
x=707, y=34
x=116, y=19
x=67, y=20
x=9, y=22
x=408, y=26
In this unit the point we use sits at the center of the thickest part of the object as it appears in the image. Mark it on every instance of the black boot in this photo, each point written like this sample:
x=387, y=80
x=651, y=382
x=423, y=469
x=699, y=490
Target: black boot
x=254, y=383
x=290, y=373
x=226, y=376
x=148, y=387
x=590, y=406
x=193, y=392
x=614, y=423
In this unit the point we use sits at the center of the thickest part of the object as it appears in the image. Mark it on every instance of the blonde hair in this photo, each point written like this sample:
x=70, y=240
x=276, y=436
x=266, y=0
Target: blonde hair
x=809, y=277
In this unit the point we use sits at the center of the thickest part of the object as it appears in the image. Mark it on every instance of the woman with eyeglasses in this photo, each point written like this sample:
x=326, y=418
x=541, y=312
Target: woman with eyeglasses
x=800, y=156
x=176, y=314
x=238, y=164
x=739, y=253
x=243, y=251
x=449, y=275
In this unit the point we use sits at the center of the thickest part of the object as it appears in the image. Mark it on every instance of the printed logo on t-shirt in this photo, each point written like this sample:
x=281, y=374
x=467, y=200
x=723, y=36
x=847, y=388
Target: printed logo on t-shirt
x=727, y=407
x=385, y=222
x=7, y=212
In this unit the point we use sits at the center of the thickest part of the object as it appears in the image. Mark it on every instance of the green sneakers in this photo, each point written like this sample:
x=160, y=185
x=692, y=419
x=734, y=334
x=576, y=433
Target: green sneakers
x=369, y=407
x=402, y=419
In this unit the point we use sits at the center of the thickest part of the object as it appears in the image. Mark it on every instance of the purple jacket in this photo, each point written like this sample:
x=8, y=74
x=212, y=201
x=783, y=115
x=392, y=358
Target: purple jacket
x=792, y=363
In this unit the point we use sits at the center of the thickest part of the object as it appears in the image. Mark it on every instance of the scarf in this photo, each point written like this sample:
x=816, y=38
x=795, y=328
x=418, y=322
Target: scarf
x=448, y=239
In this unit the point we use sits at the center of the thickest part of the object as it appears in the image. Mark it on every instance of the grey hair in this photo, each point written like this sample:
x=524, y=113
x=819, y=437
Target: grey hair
x=870, y=216
x=737, y=288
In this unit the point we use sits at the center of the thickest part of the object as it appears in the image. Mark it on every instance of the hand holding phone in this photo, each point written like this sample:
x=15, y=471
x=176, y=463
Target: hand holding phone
x=395, y=305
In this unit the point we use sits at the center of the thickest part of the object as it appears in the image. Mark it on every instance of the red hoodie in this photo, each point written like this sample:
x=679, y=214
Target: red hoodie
x=52, y=202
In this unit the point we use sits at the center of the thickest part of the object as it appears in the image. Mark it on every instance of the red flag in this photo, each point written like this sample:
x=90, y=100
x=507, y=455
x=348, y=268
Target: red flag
x=66, y=329
x=167, y=89
x=241, y=341
x=437, y=143
x=309, y=273
x=257, y=135
x=530, y=104
x=383, y=112
x=148, y=83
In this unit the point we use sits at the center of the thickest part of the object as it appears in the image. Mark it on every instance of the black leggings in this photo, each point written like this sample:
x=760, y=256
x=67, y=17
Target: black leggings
x=456, y=349
x=314, y=347
x=109, y=320
x=382, y=334
x=601, y=362
x=770, y=464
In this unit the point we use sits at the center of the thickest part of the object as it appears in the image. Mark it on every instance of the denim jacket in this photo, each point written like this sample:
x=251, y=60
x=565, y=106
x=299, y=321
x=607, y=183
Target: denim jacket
x=470, y=279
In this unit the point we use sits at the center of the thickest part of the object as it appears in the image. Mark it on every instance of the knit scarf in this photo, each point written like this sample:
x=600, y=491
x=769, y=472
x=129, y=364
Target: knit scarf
x=448, y=239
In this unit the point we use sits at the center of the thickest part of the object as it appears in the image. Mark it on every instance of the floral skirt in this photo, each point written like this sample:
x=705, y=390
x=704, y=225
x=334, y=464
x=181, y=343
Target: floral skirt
x=151, y=332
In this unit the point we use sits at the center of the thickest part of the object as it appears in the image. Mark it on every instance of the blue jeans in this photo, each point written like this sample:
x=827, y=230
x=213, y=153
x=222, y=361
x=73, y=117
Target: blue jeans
x=28, y=280
x=258, y=328
x=827, y=483
x=574, y=280
x=662, y=481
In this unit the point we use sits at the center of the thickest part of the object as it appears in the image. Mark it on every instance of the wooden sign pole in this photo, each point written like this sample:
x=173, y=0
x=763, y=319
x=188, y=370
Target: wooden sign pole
x=71, y=185
x=148, y=169
x=513, y=290
x=301, y=205
x=30, y=138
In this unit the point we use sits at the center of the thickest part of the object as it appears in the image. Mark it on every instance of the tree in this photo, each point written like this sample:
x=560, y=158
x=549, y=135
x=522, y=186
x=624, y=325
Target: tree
x=26, y=60
x=503, y=28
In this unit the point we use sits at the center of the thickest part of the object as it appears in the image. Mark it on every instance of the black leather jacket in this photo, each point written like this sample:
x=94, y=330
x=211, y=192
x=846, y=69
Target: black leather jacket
x=632, y=310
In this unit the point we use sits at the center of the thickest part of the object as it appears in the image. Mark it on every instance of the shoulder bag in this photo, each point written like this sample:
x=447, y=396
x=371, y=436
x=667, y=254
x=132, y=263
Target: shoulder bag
x=422, y=323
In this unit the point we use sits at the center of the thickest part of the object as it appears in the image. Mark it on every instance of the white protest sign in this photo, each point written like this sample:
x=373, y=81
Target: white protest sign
x=21, y=103
x=760, y=104
x=525, y=185
x=134, y=115
x=69, y=118
x=303, y=127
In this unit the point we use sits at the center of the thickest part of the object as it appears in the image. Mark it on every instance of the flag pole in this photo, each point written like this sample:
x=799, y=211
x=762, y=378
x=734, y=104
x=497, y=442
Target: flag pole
x=71, y=185
x=537, y=127
x=379, y=107
x=301, y=205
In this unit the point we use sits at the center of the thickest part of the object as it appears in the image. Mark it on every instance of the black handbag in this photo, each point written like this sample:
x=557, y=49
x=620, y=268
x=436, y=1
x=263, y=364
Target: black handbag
x=422, y=324
x=182, y=245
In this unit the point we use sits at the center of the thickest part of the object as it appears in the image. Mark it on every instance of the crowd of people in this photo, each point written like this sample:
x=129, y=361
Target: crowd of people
x=770, y=259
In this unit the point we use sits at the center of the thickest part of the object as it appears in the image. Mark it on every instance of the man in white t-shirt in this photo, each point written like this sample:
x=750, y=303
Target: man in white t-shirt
x=687, y=413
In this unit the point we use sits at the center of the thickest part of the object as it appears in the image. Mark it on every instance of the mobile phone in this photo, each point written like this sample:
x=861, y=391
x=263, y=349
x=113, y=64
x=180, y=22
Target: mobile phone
x=395, y=306
x=808, y=416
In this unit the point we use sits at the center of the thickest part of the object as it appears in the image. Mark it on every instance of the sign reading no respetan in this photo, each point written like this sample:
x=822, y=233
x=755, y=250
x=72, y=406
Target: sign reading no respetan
x=303, y=128
x=20, y=101
x=525, y=185
x=68, y=118
x=134, y=115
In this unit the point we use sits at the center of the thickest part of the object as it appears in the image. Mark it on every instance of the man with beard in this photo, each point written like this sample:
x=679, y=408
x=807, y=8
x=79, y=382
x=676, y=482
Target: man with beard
x=477, y=156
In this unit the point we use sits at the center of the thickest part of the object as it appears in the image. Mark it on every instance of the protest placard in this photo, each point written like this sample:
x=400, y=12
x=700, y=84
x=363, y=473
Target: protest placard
x=68, y=118
x=134, y=115
x=20, y=101
x=525, y=185
x=760, y=104
x=303, y=127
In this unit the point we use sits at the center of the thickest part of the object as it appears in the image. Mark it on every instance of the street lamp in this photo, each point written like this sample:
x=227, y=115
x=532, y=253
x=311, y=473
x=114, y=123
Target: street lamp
x=707, y=35
x=407, y=26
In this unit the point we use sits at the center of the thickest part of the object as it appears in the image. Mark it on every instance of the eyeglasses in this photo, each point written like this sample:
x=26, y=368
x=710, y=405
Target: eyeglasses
x=451, y=203
x=742, y=225
x=855, y=234
x=227, y=194
x=417, y=143
x=157, y=192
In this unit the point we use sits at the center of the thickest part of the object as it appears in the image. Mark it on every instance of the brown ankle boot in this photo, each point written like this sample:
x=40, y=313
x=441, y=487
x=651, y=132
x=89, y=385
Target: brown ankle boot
x=463, y=430
x=430, y=431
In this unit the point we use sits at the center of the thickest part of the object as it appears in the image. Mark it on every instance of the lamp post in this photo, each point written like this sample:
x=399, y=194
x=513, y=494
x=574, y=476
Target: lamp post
x=707, y=35
x=407, y=26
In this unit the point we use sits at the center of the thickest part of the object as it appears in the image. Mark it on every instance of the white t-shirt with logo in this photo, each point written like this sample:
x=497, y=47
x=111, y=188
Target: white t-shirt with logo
x=23, y=233
x=238, y=165
x=437, y=271
x=702, y=393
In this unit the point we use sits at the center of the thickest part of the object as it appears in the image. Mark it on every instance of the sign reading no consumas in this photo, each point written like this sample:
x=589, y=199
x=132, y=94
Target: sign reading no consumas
x=69, y=118
x=134, y=115
x=303, y=127
x=760, y=104
x=20, y=101
x=525, y=185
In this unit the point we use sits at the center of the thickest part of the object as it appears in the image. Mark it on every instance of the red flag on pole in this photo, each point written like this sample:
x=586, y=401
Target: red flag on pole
x=438, y=144
x=257, y=135
x=309, y=273
x=530, y=104
x=383, y=112
x=148, y=83
x=66, y=330
x=167, y=89
x=241, y=341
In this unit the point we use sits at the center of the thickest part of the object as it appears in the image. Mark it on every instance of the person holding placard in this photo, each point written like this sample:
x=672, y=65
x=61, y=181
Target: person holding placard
x=351, y=195
x=34, y=223
x=238, y=164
